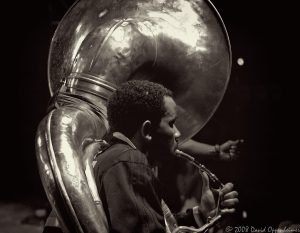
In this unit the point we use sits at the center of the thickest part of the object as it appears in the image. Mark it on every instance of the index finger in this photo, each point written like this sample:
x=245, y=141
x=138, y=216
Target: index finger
x=227, y=188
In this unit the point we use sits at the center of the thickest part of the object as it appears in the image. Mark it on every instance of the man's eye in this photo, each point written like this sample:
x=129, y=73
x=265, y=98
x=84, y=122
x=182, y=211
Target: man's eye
x=171, y=123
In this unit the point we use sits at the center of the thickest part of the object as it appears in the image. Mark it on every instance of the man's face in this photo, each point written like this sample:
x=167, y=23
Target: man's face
x=166, y=135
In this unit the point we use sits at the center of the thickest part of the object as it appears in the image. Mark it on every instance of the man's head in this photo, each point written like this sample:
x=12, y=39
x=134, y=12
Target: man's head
x=145, y=110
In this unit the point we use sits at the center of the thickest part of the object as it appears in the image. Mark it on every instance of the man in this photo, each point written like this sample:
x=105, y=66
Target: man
x=142, y=118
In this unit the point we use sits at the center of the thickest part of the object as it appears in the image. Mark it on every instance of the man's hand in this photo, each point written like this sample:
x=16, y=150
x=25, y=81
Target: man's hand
x=229, y=199
x=208, y=205
x=229, y=150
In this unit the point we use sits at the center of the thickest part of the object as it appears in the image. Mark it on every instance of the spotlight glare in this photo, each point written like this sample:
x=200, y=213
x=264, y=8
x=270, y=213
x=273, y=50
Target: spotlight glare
x=244, y=214
x=240, y=61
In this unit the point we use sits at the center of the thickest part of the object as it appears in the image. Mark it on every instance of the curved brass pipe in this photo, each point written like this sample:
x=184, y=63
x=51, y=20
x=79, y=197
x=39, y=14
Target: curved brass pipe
x=63, y=166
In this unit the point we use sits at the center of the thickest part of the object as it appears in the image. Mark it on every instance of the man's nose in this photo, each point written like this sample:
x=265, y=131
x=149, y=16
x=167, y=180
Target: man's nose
x=176, y=132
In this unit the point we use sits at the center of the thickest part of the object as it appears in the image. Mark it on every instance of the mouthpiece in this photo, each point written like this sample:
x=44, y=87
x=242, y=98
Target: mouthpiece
x=200, y=166
x=182, y=154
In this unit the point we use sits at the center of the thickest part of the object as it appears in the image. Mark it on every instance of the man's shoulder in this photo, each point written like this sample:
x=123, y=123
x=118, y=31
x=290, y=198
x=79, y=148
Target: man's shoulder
x=119, y=153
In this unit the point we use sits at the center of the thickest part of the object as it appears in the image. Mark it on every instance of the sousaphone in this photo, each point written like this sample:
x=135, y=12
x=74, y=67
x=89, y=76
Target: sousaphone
x=97, y=46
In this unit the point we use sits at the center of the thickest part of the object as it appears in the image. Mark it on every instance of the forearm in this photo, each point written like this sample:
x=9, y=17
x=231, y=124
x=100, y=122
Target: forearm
x=199, y=150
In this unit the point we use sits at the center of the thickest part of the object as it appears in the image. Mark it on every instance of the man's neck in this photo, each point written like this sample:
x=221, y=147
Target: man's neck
x=135, y=142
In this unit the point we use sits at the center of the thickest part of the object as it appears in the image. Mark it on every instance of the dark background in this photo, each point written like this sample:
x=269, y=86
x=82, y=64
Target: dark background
x=259, y=106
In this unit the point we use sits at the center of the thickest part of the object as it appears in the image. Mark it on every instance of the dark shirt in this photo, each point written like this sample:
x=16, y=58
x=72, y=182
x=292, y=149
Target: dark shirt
x=130, y=192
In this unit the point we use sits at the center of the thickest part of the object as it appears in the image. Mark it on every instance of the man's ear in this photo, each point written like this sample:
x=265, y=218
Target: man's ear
x=146, y=130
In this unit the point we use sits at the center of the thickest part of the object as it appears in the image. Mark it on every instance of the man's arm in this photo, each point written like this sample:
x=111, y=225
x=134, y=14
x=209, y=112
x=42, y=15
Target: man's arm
x=226, y=151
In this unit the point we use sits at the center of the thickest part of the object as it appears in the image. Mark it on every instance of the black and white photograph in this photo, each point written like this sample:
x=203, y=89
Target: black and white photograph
x=149, y=116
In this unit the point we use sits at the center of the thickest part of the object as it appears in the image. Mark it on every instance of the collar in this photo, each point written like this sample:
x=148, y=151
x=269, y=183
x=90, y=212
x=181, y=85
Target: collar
x=123, y=138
